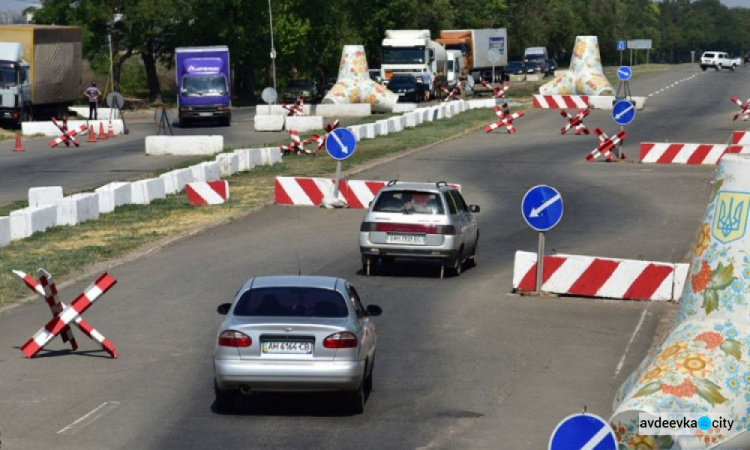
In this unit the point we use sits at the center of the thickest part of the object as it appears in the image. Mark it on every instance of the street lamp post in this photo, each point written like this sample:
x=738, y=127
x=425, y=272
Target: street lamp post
x=273, y=50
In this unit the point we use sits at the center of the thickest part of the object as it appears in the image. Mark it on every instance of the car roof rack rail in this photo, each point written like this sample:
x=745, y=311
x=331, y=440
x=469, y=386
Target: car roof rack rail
x=392, y=182
x=441, y=183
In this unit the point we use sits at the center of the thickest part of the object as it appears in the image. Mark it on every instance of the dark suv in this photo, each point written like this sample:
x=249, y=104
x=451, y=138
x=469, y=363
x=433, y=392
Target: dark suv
x=406, y=87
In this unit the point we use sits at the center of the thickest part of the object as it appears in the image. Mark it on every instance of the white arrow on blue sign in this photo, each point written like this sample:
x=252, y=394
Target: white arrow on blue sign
x=340, y=143
x=623, y=112
x=583, y=432
x=624, y=73
x=621, y=46
x=542, y=207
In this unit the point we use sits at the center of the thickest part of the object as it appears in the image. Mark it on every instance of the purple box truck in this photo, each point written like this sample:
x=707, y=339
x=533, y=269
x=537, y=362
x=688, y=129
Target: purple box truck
x=203, y=82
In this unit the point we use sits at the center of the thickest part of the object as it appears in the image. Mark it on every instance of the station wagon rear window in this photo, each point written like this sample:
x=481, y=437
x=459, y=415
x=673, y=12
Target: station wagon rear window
x=409, y=202
x=291, y=302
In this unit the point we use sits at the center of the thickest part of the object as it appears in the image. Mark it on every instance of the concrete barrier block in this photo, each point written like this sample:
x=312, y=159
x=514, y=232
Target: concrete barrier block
x=198, y=171
x=255, y=156
x=47, y=195
x=27, y=221
x=368, y=131
x=170, y=183
x=113, y=195
x=401, y=121
x=303, y=123
x=184, y=145
x=394, y=124
x=143, y=192
x=270, y=156
x=534, y=77
x=213, y=171
x=48, y=128
x=343, y=110
x=77, y=208
x=245, y=162
x=268, y=122
x=356, y=131
x=83, y=111
x=404, y=107
x=607, y=101
x=381, y=127
x=517, y=77
x=4, y=231
x=229, y=164
x=278, y=110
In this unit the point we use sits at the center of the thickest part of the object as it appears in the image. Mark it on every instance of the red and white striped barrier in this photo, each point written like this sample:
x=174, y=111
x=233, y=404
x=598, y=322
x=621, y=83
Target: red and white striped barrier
x=606, y=144
x=207, y=192
x=321, y=140
x=67, y=136
x=450, y=94
x=741, y=137
x=311, y=191
x=63, y=315
x=296, y=108
x=690, y=154
x=561, y=101
x=587, y=276
x=497, y=92
x=575, y=121
x=745, y=109
x=504, y=118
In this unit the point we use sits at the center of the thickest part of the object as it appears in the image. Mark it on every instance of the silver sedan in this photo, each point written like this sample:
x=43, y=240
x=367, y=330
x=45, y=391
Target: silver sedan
x=298, y=334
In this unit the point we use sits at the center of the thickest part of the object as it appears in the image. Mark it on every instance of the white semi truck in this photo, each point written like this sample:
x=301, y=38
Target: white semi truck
x=412, y=51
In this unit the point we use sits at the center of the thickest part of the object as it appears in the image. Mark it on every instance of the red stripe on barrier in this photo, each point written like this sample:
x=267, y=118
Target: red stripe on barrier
x=699, y=154
x=280, y=195
x=551, y=264
x=375, y=187
x=311, y=189
x=645, y=149
x=349, y=196
x=647, y=282
x=669, y=155
x=734, y=149
x=593, y=278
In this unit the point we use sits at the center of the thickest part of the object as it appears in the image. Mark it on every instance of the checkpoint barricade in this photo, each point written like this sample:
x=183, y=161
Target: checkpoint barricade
x=606, y=144
x=690, y=154
x=67, y=136
x=575, y=121
x=504, y=118
x=561, y=101
x=296, y=108
x=497, y=92
x=744, y=109
x=63, y=315
x=207, y=192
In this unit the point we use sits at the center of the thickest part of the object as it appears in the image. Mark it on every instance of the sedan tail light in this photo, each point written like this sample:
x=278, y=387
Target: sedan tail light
x=232, y=338
x=343, y=339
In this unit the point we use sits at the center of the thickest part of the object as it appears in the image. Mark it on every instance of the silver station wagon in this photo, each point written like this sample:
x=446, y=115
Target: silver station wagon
x=419, y=220
x=295, y=334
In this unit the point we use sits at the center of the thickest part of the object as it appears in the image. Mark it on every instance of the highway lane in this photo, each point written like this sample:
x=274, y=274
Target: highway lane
x=461, y=362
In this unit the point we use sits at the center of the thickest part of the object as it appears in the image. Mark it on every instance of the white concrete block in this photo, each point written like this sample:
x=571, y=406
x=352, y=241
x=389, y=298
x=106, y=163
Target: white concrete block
x=278, y=110
x=394, y=124
x=303, y=123
x=381, y=127
x=48, y=128
x=77, y=208
x=184, y=145
x=344, y=110
x=534, y=77
x=404, y=107
x=113, y=195
x=43, y=196
x=83, y=111
x=256, y=156
x=410, y=120
x=355, y=129
x=368, y=131
x=267, y=122
x=4, y=231
x=143, y=192
x=607, y=101
x=517, y=78
x=270, y=156
x=213, y=171
x=199, y=172
x=243, y=156
x=229, y=164
x=482, y=103
x=27, y=221
x=445, y=110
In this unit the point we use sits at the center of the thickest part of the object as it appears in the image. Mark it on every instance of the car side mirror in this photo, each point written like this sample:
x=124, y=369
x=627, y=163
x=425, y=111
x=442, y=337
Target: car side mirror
x=373, y=310
x=223, y=309
x=474, y=208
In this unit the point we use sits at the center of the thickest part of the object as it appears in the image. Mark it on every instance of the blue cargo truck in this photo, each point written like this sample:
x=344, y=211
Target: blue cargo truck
x=203, y=84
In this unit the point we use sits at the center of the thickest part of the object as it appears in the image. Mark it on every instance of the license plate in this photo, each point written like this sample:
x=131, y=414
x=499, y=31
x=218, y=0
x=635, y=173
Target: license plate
x=288, y=347
x=205, y=114
x=417, y=239
x=401, y=94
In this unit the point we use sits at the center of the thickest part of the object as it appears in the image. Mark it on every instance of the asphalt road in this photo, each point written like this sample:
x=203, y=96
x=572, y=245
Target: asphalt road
x=462, y=362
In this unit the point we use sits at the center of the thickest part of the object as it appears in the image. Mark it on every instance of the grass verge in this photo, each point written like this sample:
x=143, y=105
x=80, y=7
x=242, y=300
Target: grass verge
x=69, y=250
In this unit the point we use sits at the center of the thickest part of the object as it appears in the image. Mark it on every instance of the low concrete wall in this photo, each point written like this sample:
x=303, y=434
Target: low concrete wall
x=77, y=208
x=113, y=195
x=356, y=131
x=482, y=103
x=343, y=110
x=303, y=123
x=143, y=192
x=49, y=129
x=46, y=195
x=381, y=127
x=102, y=113
x=229, y=164
x=176, y=180
x=267, y=122
x=184, y=145
x=206, y=171
x=4, y=231
x=606, y=102
x=368, y=131
x=27, y=221
x=278, y=110
x=517, y=77
x=404, y=107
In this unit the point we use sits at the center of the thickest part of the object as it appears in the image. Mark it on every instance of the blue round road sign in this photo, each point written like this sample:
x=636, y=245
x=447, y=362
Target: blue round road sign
x=340, y=143
x=542, y=207
x=624, y=73
x=583, y=431
x=623, y=112
x=621, y=46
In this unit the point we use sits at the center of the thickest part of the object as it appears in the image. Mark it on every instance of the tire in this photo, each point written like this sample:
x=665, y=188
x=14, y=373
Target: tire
x=355, y=401
x=458, y=264
x=368, y=377
x=718, y=67
x=224, y=399
x=475, y=255
x=184, y=123
x=703, y=68
x=732, y=68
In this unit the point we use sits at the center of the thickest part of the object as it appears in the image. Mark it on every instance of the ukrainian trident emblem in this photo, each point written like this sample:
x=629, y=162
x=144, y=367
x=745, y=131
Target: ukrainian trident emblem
x=730, y=216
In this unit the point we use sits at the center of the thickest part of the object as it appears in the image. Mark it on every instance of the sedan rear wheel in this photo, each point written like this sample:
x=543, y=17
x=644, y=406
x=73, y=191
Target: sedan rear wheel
x=475, y=255
x=459, y=263
x=355, y=401
x=224, y=399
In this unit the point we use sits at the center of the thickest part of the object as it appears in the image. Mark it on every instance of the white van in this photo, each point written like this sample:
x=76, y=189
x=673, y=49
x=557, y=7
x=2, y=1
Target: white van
x=453, y=68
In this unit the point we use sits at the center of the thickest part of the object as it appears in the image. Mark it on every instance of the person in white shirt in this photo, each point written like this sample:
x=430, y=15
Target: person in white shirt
x=93, y=95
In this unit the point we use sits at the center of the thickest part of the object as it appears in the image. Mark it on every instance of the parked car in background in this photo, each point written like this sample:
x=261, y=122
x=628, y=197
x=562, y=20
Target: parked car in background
x=427, y=221
x=407, y=88
x=295, y=334
x=327, y=86
x=552, y=67
x=514, y=68
x=295, y=88
x=375, y=75
x=718, y=61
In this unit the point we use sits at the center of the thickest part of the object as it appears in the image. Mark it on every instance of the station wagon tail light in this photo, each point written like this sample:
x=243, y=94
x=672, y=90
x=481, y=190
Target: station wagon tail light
x=408, y=228
x=344, y=339
x=232, y=338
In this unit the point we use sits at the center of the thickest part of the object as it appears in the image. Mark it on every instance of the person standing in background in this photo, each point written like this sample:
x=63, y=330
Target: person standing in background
x=93, y=95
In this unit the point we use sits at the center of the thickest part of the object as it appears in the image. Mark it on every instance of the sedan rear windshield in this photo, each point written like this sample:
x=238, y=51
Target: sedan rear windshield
x=409, y=202
x=291, y=302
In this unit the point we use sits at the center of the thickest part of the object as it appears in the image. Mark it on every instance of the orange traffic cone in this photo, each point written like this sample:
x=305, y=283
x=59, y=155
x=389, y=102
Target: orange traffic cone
x=92, y=133
x=102, y=134
x=111, y=133
x=18, y=147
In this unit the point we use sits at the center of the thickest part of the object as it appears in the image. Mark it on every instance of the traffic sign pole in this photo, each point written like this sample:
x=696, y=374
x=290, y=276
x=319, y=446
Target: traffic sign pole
x=338, y=177
x=540, y=263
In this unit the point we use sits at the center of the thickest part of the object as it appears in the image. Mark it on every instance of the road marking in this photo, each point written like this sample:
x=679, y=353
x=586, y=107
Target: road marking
x=597, y=438
x=632, y=339
x=89, y=418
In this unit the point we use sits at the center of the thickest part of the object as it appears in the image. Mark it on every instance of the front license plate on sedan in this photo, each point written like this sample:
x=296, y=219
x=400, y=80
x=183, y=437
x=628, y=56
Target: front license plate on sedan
x=288, y=347
x=416, y=239
x=205, y=114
